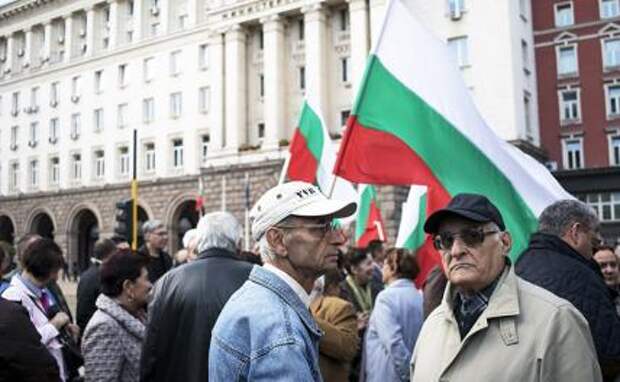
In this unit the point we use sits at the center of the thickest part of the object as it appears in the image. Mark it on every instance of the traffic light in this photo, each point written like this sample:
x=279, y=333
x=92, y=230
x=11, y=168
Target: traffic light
x=124, y=221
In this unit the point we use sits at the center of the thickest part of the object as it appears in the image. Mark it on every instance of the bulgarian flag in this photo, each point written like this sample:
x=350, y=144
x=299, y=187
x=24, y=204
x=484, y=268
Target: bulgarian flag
x=414, y=122
x=312, y=156
x=368, y=225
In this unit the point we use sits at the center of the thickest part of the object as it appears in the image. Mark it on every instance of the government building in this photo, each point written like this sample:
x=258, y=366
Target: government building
x=213, y=89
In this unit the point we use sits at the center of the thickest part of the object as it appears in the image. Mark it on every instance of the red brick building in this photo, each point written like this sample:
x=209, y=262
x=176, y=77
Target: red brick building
x=577, y=46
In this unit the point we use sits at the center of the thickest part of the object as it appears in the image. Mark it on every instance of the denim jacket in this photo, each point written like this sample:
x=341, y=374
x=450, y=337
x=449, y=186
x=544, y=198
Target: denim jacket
x=264, y=333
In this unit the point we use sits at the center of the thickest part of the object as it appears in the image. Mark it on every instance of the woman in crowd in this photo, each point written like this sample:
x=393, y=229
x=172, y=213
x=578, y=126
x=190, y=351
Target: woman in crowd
x=395, y=321
x=113, y=338
x=41, y=261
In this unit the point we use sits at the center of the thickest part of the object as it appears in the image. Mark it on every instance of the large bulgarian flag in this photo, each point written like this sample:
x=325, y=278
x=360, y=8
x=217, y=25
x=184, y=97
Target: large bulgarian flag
x=312, y=155
x=369, y=224
x=414, y=122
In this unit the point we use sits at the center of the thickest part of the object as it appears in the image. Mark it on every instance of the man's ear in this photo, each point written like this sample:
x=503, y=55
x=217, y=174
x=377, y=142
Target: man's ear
x=572, y=234
x=506, y=239
x=275, y=238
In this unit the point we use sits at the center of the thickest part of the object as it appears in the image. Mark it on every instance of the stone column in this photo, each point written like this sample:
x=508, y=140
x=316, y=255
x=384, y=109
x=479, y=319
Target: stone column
x=164, y=16
x=192, y=13
x=315, y=21
x=358, y=12
x=235, y=89
x=138, y=6
x=27, y=61
x=10, y=53
x=113, y=31
x=377, y=10
x=90, y=31
x=273, y=34
x=216, y=81
x=69, y=38
x=47, y=42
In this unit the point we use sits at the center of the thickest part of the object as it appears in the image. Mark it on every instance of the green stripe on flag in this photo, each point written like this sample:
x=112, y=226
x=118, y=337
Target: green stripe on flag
x=310, y=127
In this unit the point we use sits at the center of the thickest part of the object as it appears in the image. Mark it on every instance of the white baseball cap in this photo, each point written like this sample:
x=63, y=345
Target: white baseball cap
x=298, y=199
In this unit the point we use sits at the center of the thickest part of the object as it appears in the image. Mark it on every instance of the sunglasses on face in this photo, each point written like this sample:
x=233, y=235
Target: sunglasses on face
x=472, y=237
x=324, y=228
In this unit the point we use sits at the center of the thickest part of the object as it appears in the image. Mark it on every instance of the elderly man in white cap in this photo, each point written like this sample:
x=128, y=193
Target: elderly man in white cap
x=266, y=332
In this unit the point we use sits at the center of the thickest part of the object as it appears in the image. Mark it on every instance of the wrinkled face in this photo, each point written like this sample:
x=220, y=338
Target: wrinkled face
x=363, y=271
x=158, y=239
x=139, y=289
x=608, y=262
x=471, y=267
x=311, y=244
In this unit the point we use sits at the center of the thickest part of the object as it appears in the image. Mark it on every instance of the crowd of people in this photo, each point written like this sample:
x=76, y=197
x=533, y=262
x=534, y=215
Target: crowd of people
x=305, y=305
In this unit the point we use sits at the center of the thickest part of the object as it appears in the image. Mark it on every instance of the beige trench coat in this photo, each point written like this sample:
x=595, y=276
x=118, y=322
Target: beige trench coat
x=525, y=334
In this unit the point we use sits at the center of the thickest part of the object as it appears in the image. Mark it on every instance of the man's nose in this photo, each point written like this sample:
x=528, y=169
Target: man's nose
x=458, y=248
x=339, y=236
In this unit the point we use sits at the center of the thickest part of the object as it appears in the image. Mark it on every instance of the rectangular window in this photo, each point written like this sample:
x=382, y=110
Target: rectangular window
x=122, y=75
x=300, y=29
x=148, y=110
x=98, y=81
x=459, y=49
x=261, y=130
x=606, y=205
x=54, y=93
x=203, y=56
x=525, y=55
x=204, y=96
x=204, y=147
x=344, y=69
x=610, y=8
x=34, y=99
x=76, y=126
x=122, y=116
x=456, y=7
x=15, y=104
x=564, y=14
x=76, y=88
x=176, y=105
x=98, y=119
x=573, y=154
x=567, y=60
x=14, y=176
x=611, y=53
x=14, y=137
x=261, y=85
x=570, y=110
x=34, y=134
x=523, y=8
x=149, y=157
x=54, y=127
x=261, y=40
x=34, y=173
x=177, y=153
x=614, y=152
x=54, y=171
x=175, y=63
x=149, y=69
x=99, y=164
x=343, y=19
x=613, y=101
x=123, y=161
x=344, y=116
x=527, y=115
x=302, y=77
x=76, y=167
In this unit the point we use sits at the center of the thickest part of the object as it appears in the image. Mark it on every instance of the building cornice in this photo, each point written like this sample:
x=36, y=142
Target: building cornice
x=20, y=6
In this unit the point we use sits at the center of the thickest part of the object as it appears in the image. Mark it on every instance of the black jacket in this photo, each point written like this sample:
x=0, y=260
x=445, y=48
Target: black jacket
x=156, y=266
x=185, y=306
x=88, y=290
x=22, y=355
x=551, y=263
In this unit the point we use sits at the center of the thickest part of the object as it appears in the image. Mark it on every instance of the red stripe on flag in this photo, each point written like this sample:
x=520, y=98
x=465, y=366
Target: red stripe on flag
x=303, y=165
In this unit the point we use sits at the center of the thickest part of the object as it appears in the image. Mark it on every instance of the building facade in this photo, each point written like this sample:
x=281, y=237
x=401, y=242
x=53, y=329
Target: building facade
x=213, y=89
x=578, y=60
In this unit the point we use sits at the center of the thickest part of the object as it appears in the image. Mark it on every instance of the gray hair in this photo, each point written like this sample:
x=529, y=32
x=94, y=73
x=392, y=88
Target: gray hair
x=151, y=225
x=267, y=253
x=560, y=216
x=218, y=230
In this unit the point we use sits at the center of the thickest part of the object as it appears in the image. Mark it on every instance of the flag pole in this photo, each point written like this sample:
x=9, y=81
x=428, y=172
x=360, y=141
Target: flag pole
x=379, y=230
x=134, y=194
x=247, y=212
x=287, y=162
x=223, y=192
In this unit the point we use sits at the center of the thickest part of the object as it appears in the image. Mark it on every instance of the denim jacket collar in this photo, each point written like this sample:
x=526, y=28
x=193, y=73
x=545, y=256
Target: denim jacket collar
x=274, y=283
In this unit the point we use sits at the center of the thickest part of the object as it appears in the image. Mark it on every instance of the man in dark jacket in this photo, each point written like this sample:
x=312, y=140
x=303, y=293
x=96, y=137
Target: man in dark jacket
x=559, y=259
x=156, y=239
x=188, y=300
x=88, y=288
x=22, y=355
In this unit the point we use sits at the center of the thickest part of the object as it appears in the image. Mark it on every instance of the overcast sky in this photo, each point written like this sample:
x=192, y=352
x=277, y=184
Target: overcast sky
x=3, y=2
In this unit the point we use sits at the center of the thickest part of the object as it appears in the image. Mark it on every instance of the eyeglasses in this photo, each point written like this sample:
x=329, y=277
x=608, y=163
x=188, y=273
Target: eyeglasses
x=324, y=228
x=472, y=237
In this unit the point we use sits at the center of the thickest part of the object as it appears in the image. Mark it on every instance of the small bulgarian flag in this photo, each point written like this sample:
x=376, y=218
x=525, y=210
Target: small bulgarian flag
x=312, y=156
x=200, y=198
x=415, y=122
x=368, y=225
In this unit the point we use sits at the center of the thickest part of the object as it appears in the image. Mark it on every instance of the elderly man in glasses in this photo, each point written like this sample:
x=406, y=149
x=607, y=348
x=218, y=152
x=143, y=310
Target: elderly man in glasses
x=266, y=331
x=492, y=325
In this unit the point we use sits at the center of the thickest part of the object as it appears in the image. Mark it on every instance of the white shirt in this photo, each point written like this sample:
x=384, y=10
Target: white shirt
x=297, y=288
